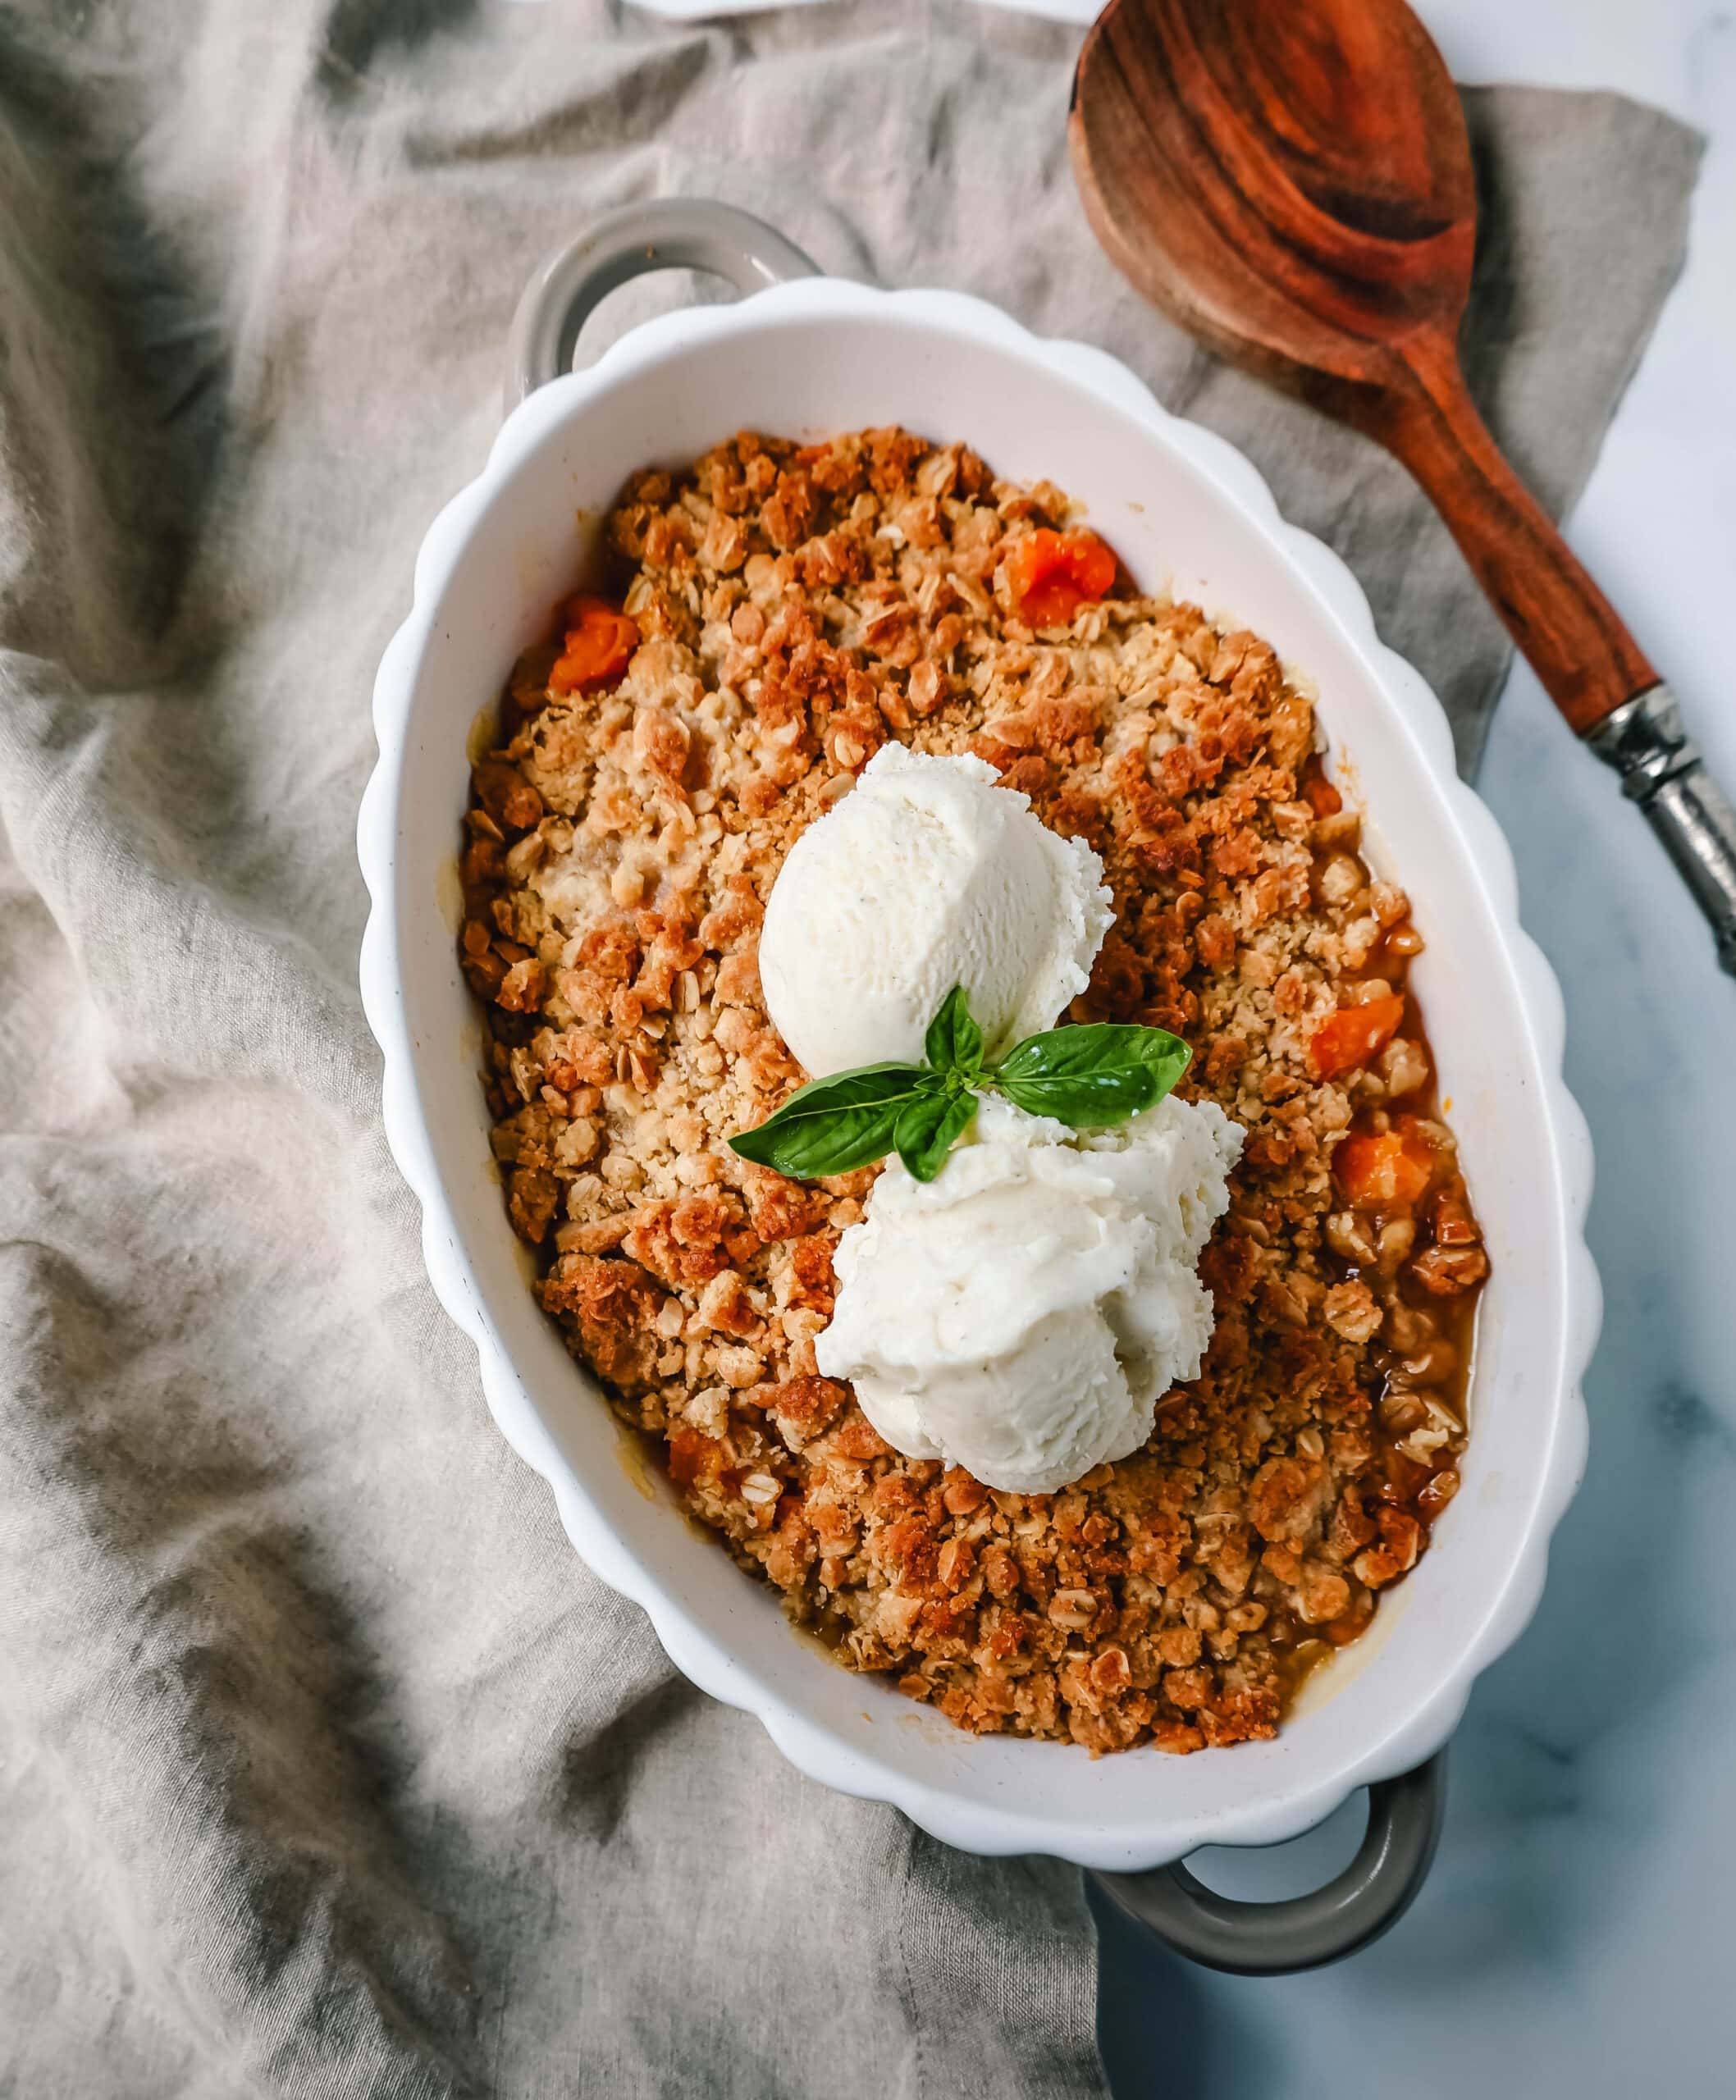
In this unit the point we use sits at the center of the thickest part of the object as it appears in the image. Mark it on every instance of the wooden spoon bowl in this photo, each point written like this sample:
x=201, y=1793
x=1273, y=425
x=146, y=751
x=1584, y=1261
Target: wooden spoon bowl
x=1291, y=180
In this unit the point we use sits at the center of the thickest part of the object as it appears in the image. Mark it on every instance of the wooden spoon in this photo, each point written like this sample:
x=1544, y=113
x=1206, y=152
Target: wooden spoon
x=1291, y=180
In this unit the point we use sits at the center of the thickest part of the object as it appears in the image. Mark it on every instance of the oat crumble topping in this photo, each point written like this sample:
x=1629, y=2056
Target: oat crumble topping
x=795, y=608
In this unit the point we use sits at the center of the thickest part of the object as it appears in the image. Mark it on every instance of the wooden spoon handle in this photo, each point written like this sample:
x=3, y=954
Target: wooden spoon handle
x=1587, y=661
x=1589, y=665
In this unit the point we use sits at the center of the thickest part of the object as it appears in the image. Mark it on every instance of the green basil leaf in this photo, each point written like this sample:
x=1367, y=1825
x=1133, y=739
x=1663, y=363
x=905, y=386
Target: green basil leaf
x=954, y=1042
x=834, y=1126
x=1085, y=1100
x=1098, y=1046
x=1095, y=1073
x=928, y=1127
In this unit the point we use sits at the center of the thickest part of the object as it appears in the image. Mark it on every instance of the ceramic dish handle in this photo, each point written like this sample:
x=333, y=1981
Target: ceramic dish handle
x=1306, y=1932
x=665, y=233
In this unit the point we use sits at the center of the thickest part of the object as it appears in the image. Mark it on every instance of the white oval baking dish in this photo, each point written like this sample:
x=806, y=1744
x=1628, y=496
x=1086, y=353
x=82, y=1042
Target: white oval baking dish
x=1184, y=509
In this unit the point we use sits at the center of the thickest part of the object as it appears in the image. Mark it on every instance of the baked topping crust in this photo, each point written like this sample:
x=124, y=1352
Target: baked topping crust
x=795, y=608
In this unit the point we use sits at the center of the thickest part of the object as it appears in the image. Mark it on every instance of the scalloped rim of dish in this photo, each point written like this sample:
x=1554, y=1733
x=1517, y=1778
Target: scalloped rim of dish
x=979, y=1827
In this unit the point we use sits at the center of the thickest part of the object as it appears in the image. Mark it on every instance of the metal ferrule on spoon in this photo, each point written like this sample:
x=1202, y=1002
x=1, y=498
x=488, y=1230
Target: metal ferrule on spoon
x=1661, y=769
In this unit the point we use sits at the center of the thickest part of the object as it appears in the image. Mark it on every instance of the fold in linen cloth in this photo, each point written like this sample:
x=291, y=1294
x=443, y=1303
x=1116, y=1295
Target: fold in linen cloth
x=325, y=1765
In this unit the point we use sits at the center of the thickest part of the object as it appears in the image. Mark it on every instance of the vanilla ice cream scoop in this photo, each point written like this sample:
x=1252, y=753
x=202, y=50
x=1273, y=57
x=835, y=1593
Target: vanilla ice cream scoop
x=928, y=874
x=1021, y=1314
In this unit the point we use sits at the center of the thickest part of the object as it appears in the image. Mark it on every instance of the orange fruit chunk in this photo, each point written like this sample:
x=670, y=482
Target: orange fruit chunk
x=1051, y=574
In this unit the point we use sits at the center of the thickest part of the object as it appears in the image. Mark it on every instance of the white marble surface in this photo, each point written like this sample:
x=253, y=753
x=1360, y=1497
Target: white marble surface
x=1577, y=1934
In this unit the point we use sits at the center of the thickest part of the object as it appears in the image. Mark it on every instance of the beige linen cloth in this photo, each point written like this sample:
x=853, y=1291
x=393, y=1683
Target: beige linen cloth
x=325, y=1767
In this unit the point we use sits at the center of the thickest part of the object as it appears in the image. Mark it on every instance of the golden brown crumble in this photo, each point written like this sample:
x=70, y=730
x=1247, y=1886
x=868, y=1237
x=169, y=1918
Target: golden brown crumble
x=795, y=608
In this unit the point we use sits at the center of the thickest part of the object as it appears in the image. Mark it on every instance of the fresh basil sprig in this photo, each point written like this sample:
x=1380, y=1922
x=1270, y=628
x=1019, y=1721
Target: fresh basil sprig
x=1096, y=1073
